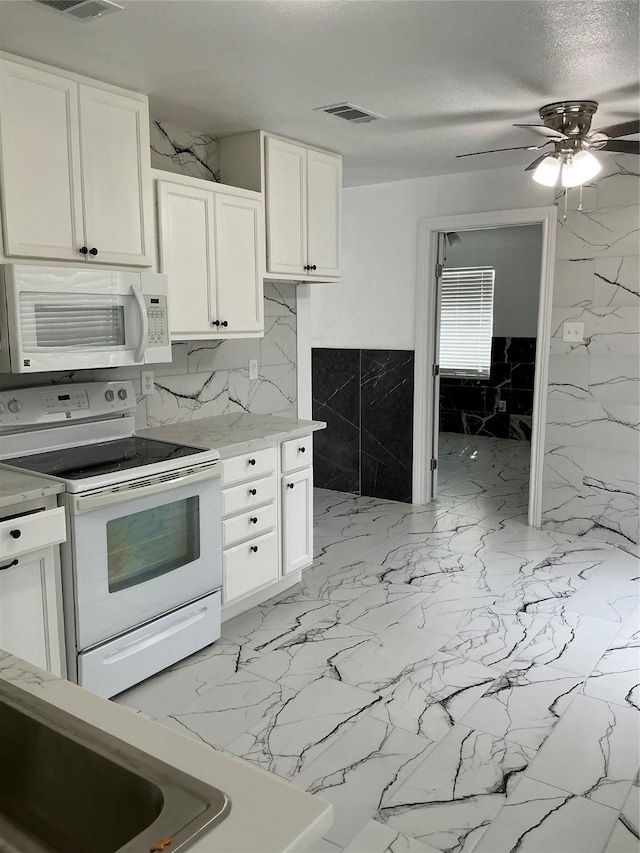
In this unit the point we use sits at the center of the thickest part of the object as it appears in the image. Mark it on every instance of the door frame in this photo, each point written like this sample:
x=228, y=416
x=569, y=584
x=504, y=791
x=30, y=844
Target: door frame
x=428, y=230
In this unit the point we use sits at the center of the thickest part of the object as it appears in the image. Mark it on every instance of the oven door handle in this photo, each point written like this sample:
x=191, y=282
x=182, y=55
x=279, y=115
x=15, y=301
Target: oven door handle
x=144, y=324
x=86, y=503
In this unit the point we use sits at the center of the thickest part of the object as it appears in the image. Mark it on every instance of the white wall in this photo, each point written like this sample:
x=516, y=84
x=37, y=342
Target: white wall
x=515, y=253
x=374, y=305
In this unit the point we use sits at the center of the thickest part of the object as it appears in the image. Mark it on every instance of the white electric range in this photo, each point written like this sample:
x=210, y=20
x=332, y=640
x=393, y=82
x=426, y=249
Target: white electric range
x=141, y=568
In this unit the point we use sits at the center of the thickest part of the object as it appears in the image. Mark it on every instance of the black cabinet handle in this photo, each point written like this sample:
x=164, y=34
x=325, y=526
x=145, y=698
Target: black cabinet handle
x=253, y=520
x=215, y=322
x=254, y=548
x=15, y=534
x=83, y=250
x=251, y=461
x=253, y=491
x=224, y=323
x=9, y=565
x=290, y=485
x=93, y=251
x=301, y=449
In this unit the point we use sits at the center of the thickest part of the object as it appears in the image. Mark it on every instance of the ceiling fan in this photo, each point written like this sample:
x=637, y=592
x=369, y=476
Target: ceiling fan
x=567, y=126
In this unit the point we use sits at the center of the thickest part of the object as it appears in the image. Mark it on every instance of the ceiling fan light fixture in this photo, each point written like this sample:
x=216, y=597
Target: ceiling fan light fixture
x=579, y=169
x=548, y=171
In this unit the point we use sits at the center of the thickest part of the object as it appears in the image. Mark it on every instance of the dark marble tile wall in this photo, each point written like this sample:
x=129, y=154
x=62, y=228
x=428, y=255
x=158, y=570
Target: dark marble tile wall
x=471, y=406
x=366, y=398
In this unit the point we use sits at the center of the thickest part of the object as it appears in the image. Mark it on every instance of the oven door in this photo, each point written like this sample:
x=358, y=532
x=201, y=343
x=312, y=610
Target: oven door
x=60, y=319
x=141, y=553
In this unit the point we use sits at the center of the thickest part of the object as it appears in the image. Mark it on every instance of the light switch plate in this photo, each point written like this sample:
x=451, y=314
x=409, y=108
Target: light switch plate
x=573, y=333
x=253, y=368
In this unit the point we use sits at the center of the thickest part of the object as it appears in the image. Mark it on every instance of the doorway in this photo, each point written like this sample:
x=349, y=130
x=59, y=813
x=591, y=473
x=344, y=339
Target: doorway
x=486, y=327
x=434, y=248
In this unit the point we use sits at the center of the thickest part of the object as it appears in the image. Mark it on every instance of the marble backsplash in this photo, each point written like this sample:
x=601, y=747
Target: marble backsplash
x=592, y=462
x=208, y=378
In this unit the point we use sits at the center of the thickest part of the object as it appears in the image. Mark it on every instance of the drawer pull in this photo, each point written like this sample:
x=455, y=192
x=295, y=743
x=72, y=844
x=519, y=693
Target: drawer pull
x=290, y=485
x=251, y=461
x=253, y=491
x=254, y=548
x=15, y=534
x=9, y=565
x=254, y=520
x=301, y=449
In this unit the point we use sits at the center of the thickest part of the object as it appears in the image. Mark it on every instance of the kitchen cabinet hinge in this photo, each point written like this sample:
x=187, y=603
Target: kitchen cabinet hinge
x=436, y=370
x=434, y=464
x=438, y=270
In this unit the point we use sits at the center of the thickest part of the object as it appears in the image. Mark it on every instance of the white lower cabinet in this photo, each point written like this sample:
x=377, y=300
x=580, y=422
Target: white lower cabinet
x=30, y=592
x=267, y=521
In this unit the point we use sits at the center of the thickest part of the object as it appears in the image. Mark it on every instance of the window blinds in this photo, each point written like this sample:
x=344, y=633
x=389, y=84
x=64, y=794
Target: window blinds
x=466, y=321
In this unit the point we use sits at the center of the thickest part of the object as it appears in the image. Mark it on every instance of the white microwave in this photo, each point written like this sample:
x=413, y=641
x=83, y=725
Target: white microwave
x=58, y=318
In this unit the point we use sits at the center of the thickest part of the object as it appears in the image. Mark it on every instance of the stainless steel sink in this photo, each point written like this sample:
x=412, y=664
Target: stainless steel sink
x=68, y=787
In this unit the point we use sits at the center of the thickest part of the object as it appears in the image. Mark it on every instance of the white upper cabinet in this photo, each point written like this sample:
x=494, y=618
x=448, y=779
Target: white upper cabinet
x=211, y=244
x=302, y=187
x=75, y=168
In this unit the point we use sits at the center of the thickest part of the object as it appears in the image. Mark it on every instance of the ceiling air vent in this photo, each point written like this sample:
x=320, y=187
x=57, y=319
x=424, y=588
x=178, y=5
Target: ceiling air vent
x=82, y=10
x=356, y=115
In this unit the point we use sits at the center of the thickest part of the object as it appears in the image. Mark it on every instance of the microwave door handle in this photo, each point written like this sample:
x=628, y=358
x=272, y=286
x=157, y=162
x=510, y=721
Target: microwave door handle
x=144, y=326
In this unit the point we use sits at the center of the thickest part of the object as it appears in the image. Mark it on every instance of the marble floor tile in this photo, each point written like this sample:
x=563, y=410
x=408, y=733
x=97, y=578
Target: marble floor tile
x=625, y=837
x=326, y=581
x=324, y=846
x=529, y=592
x=272, y=622
x=370, y=761
x=409, y=562
x=221, y=715
x=570, y=641
x=606, y=597
x=525, y=703
x=377, y=838
x=616, y=676
x=451, y=603
x=308, y=654
x=603, y=773
x=433, y=697
x=381, y=664
x=494, y=636
x=290, y=735
x=457, y=790
x=346, y=550
x=540, y=818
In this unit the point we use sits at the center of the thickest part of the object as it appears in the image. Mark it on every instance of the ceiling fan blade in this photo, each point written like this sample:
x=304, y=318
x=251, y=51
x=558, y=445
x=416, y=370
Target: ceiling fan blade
x=543, y=130
x=495, y=150
x=536, y=162
x=622, y=146
x=625, y=128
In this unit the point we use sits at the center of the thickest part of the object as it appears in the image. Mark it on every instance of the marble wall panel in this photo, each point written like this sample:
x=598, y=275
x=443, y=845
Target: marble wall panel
x=591, y=480
x=185, y=152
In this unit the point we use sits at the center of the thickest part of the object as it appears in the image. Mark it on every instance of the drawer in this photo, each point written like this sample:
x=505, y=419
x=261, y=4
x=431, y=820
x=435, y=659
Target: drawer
x=253, y=493
x=28, y=532
x=297, y=453
x=249, y=466
x=248, y=524
x=249, y=566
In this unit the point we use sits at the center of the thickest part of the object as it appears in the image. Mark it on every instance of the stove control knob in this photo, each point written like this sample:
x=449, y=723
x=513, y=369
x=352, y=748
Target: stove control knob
x=109, y=395
x=122, y=393
x=14, y=406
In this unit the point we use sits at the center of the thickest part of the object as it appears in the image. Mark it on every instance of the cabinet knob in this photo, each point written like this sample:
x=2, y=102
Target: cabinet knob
x=253, y=491
x=290, y=485
x=9, y=565
x=254, y=520
x=312, y=267
x=301, y=449
x=254, y=548
x=251, y=461
x=215, y=322
x=224, y=323
x=15, y=534
x=94, y=252
x=83, y=250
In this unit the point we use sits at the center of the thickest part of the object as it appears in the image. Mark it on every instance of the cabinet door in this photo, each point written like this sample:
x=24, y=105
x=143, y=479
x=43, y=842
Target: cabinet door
x=285, y=166
x=324, y=188
x=114, y=139
x=239, y=250
x=185, y=218
x=41, y=192
x=29, y=614
x=297, y=520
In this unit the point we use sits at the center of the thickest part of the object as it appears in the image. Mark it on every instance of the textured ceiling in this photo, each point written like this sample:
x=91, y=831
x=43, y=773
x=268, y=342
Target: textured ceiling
x=449, y=76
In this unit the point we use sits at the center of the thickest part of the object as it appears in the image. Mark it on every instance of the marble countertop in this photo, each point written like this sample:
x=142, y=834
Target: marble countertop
x=16, y=487
x=267, y=814
x=235, y=433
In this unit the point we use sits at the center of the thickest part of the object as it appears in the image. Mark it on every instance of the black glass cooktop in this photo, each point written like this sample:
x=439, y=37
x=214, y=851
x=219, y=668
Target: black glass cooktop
x=106, y=457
